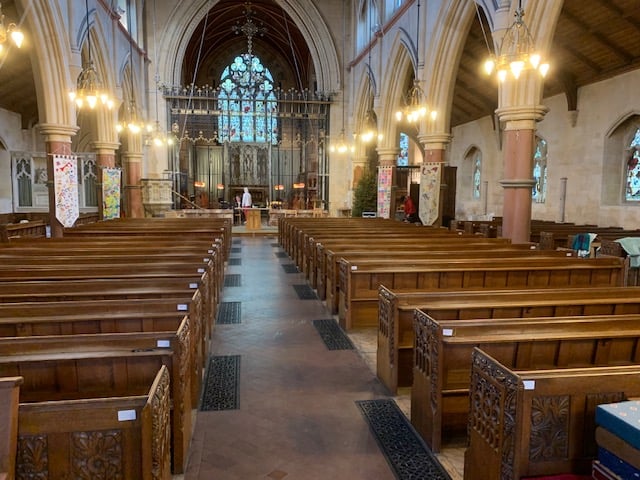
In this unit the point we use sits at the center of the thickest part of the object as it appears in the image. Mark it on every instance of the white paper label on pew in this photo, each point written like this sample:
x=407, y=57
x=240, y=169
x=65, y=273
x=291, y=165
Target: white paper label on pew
x=182, y=307
x=529, y=384
x=209, y=251
x=569, y=254
x=193, y=285
x=205, y=260
x=164, y=343
x=354, y=267
x=201, y=270
x=126, y=415
x=532, y=247
x=447, y=332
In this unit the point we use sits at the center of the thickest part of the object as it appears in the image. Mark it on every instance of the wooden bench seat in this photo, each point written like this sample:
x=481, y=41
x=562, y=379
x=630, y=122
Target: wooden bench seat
x=528, y=423
x=32, y=229
x=442, y=357
x=396, y=309
x=71, y=373
x=327, y=255
x=108, y=316
x=359, y=281
x=426, y=251
x=131, y=434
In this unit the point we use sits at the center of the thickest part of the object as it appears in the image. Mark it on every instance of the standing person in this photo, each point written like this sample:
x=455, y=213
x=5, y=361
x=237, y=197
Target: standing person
x=246, y=202
x=410, y=210
x=237, y=209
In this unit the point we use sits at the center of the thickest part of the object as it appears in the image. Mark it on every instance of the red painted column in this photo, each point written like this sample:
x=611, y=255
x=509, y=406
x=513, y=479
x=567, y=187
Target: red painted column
x=132, y=186
x=517, y=183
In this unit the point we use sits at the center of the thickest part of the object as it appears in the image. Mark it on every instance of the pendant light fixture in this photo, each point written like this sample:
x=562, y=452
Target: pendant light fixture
x=517, y=52
x=9, y=31
x=89, y=90
x=415, y=107
x=131, y=123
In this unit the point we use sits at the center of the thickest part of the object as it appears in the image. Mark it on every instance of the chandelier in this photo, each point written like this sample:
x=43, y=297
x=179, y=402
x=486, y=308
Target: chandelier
x=9, y=31
x=89, y=90
x=341, y=146
x=132, y=123
x=517, y=52
x=415, y=108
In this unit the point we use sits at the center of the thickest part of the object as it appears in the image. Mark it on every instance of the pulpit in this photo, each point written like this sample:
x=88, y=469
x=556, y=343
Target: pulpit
x=253, y=219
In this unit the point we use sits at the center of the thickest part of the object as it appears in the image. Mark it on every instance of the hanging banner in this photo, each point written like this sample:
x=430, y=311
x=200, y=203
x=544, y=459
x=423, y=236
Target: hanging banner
x=385, y=177
x=65, y=175
x=111, y=193
x=428, y=209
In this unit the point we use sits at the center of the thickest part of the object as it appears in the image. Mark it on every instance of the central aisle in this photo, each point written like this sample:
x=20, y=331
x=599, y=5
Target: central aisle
x=297, y=416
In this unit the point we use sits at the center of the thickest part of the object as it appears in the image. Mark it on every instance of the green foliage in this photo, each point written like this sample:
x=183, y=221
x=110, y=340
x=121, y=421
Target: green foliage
x=365, y=196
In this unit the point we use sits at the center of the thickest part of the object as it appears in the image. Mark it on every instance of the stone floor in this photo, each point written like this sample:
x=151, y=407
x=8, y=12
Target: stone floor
x=297, y=417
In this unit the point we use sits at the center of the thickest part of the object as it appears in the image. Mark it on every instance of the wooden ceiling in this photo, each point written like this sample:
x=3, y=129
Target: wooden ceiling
x=594, y=40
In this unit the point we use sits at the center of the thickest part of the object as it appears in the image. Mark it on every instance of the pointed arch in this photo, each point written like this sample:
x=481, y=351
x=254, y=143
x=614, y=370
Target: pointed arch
x=186, y=16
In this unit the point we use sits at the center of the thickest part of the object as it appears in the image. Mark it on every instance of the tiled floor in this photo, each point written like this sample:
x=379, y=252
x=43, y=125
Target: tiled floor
x=297, y=417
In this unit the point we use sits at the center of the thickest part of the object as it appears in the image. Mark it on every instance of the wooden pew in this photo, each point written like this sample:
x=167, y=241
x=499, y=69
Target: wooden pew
x=359, y=281
x=396, y=308
x=108, y=316
x=537, y=423
x=13, y=231
x=443, y=349
x=126, y=437
x=9, y=399
x=74, y=372
x=427, y=250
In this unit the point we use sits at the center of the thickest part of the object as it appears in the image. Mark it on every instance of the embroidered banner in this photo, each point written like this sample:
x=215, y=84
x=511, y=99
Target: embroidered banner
x=429, y=192
x=385, y=177
x=65, y=174
x=110, y=193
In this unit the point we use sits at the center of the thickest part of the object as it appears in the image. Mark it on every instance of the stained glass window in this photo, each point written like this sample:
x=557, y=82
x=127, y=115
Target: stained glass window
x=633, y=170
x=539, y=192
x=247, y=103
x=403, y=156
x=477, y=174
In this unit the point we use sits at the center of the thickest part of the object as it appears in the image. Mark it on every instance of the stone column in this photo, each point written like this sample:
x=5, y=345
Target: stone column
x=57, y=140
x=388, y=157
x=105, y=158
x=518, y=147
x=434, y=146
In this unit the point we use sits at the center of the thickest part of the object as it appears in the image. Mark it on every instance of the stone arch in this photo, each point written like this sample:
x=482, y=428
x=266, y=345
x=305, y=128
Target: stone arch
x=402, y=64
x=50, y=57
x=615, y=154
x=185, y=17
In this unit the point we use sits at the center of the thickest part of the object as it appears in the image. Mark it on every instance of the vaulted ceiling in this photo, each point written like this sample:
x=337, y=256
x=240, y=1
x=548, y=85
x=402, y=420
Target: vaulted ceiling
x=594, y=40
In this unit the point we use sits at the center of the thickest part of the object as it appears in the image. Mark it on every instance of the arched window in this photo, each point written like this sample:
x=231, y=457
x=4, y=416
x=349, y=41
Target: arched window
x=403, y=156
x=247, y=103
x=477, y=174
x=539, y=192
x=632, y=188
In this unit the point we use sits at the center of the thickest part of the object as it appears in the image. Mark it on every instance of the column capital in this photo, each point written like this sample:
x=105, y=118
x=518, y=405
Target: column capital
x=388, y=156
x=104, y=146
x=54, y=132
x=521, y=117
x=434, y=141
x=132, y=157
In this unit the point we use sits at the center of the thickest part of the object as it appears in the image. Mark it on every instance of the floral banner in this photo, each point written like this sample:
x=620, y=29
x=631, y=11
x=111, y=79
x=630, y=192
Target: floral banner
x=65, y=174
x=385, y=177
x=111, y=193
x=429, y=192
